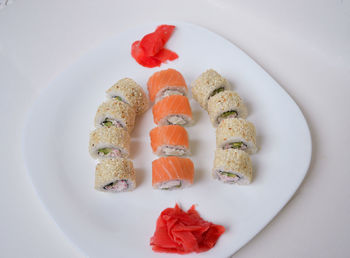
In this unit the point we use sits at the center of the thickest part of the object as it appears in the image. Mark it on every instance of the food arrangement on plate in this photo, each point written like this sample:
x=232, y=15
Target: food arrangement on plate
x=115, y=119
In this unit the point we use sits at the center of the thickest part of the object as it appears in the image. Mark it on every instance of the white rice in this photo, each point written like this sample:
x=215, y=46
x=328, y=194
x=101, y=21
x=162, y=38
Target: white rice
x=171, y=183
x=170, y=91
x=178, y=119
x=168, y=150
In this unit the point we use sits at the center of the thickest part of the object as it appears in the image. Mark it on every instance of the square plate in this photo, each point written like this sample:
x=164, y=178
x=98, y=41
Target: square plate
x=103, y=224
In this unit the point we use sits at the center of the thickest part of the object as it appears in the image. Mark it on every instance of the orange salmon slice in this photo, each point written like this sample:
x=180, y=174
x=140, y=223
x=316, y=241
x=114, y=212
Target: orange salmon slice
x=174, y=135
x=172, y=168
x=171, y=105
x=165, y=78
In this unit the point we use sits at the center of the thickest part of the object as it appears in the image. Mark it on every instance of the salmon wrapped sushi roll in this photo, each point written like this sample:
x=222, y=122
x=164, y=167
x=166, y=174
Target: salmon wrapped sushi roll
x=226, y=104
x=207, y=85
x=115, y=113
x=232, y=166
x=172, y=110
x=166, y=83
x=115, y=175
x=128, y=91
x=236, y=133
x=169, y=140
x=109, y=142
x=170, y=173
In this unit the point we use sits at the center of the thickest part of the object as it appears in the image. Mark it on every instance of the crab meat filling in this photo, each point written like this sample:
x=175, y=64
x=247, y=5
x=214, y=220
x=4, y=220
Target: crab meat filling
x=170, y=92
x=108, y=122
x=235, y=145
x=170, y=185
x=176, y=120
x=228, y=177
x=109, y=152
x=173, y=150
x=117, y=186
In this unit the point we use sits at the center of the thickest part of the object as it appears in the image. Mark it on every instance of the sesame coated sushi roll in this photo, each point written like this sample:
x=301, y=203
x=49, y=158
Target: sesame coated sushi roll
x=226, y=104
x=232, y=166
x=169, y=140
x=166, y=83
x=115, y=175
x=109, y=142
x=236, y=133
x=172, y=110
x=115, y=113
x=207, y=85
x=170, y=173
x=128, y=91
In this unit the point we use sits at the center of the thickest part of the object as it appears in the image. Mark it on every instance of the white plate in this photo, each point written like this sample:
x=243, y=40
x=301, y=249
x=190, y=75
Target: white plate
x=102, y=224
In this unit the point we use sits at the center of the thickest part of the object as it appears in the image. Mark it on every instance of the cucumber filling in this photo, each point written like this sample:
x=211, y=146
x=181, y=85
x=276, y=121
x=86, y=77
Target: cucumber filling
x=228, y=176
x=109, y=122
x=216, y=91
x=117, y=98
x=109, y=152
x=236, y=145
x=104, y=151
x=227, y=114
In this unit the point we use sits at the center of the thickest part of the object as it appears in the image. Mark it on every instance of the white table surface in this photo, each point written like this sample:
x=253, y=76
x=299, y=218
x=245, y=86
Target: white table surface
x=304, y=45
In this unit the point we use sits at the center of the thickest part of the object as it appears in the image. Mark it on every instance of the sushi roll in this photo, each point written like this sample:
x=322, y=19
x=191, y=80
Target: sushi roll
x=226, y=104
x=236, y=133
x=232, y=166
x=109, y=142
x=115, y=113
x=172, y=172
x=172, y=110
x=128, y=91
x=207, y=85
x=115, y=175
x=169, y=140
x=166, y=83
